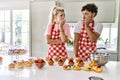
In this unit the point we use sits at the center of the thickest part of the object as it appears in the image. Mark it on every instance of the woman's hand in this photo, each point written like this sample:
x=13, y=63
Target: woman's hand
x=61, y=24
x=63, y=36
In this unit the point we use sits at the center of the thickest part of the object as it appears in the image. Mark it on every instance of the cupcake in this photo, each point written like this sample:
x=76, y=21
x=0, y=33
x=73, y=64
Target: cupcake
x=81, y=63
x=50, y=62
x=60, y=62
x=11, y=65
x=71, y=62
x=19, y=65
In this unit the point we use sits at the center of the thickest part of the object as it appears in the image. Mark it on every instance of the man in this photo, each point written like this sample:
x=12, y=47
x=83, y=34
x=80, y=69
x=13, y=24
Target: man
x=87, y=32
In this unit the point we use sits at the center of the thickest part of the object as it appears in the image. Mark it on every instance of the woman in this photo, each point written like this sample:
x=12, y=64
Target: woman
x=57, y=33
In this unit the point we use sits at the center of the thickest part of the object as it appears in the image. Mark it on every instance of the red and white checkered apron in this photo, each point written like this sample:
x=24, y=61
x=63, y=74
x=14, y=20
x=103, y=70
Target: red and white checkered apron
x=56, y=49
x=86, y=46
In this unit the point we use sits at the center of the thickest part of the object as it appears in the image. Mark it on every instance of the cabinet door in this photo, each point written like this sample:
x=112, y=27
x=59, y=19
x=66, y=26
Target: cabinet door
x=106, y=10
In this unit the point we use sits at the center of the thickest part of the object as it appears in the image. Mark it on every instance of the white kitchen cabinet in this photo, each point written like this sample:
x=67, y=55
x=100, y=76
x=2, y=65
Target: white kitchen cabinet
x=106, y=10
x=39, y=12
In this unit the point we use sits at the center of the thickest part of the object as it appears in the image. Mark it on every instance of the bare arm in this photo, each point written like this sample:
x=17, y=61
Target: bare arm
x=76, y=43
x=51, y=41
x=63, y=37
x=92, y=35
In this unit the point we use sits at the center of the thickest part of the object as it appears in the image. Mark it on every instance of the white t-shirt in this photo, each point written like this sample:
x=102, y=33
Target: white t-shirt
x=97, y=27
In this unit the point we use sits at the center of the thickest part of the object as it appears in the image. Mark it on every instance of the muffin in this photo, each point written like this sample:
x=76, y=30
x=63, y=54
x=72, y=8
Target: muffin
x=11, y=65
x=19, y=65
x=60, y=62
x=81, y=63
x=50, y=62
x=71, y=62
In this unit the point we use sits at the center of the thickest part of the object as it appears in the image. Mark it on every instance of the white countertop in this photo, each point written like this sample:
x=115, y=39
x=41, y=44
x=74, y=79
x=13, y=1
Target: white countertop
x=111, y=71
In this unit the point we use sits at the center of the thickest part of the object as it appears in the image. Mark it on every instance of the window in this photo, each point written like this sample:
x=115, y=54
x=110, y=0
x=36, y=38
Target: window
x=14, y=28
x=5, y=26
x=108, y=38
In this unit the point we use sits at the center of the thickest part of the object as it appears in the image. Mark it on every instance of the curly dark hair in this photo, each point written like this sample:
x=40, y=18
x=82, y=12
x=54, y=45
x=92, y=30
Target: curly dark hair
x=91, y=7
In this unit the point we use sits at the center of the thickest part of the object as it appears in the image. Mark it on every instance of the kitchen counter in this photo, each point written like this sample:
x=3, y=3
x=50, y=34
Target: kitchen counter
x=111, y=71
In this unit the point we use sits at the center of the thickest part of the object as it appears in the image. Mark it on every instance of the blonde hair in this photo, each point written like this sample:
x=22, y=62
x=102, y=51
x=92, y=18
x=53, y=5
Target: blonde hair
x=54, y=12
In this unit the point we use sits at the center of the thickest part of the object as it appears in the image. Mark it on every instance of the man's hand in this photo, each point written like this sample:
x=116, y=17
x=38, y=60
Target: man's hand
x=87, y=21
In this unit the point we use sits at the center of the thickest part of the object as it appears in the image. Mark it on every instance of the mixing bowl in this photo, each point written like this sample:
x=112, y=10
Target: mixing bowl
x=100, y=58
